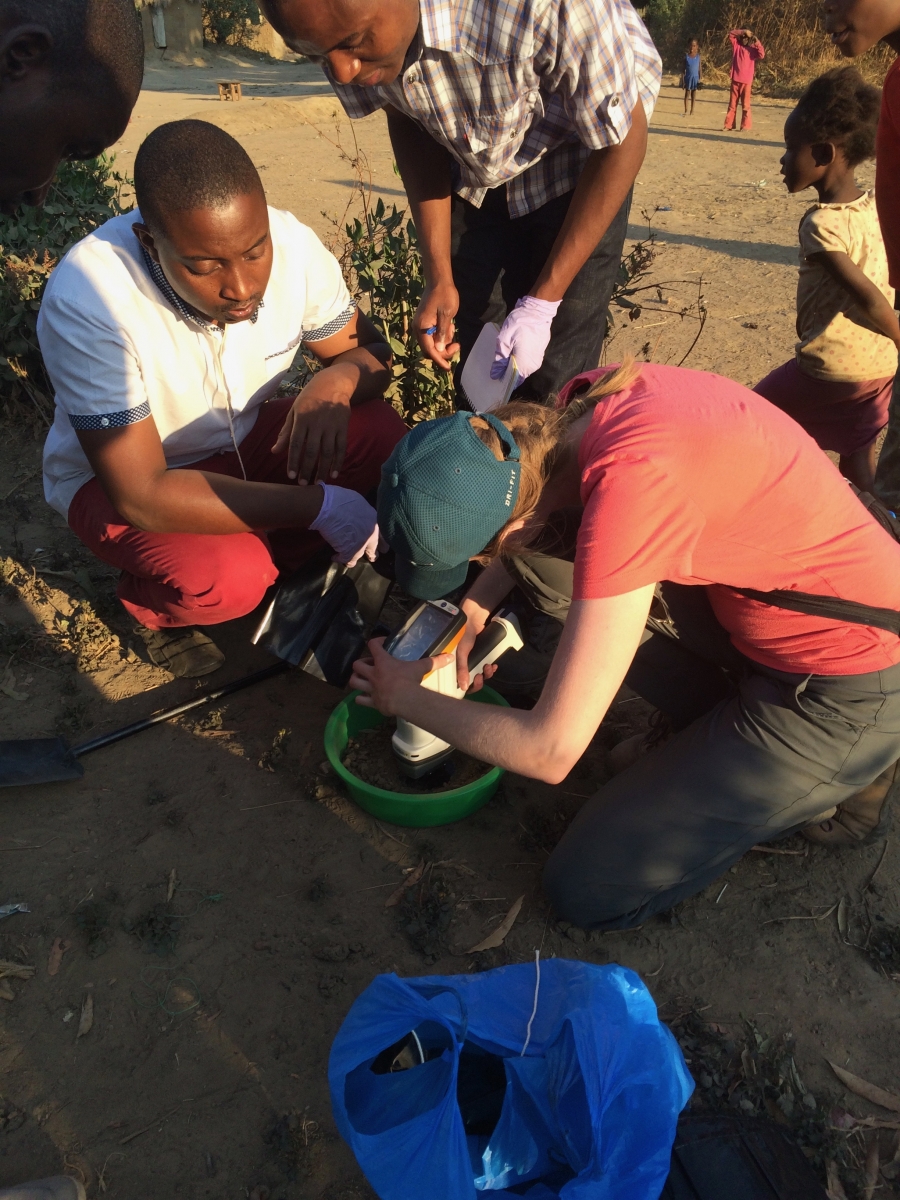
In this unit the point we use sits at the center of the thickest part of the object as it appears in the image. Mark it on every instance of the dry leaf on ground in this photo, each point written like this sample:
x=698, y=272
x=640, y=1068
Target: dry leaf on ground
x=498, y=937
x=87, y=1016
x=170, y=890
x=842, y=916
x=868, y=1091
x=833, y=1182
x=15, y=970
x=410, y=881
x=57, y=950
x=6, y=992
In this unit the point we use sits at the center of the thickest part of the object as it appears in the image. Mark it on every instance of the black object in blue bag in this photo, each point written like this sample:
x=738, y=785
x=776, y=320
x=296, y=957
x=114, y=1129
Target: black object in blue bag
x=555, y=1079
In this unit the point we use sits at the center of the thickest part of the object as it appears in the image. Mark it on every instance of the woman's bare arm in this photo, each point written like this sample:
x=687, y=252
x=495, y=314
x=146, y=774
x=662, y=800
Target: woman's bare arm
x=597, y=646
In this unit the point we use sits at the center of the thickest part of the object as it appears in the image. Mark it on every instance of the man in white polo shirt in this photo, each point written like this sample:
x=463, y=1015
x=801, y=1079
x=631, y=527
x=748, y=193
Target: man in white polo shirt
x=166, y=334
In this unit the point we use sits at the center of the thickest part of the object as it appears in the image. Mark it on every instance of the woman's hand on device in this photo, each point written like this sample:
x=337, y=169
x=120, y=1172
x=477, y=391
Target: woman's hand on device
x=390, y=684
x=477, y=617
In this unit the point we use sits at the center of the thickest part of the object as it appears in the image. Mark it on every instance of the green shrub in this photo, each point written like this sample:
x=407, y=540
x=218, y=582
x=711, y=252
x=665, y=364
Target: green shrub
x=230, y=22
x=84, y=196
x=382, y=260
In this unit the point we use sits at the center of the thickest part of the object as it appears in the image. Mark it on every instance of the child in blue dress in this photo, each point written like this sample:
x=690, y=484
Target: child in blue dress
x=691, y=74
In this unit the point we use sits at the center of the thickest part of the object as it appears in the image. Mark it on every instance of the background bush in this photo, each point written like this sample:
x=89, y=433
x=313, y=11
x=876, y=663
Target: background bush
x=797, y=48
x=84, y=196
x=230, y=22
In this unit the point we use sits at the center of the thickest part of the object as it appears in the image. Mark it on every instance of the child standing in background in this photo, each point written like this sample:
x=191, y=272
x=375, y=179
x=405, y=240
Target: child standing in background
x=746, y=51
x=691, y=74
x=838, y=385
x=854, y=26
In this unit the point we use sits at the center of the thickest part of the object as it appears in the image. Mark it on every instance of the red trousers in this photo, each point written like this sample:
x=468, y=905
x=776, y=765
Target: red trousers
x=739, y=92
x=174, y=579
x=843, y=417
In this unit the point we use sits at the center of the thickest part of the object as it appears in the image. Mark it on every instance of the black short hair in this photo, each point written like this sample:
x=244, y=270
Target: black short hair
x=186, y=165
x=98, y=43
x=841, y=108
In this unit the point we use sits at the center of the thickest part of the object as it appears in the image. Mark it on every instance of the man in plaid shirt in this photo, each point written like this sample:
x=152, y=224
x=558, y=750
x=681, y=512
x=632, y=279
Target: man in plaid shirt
x=519, y=127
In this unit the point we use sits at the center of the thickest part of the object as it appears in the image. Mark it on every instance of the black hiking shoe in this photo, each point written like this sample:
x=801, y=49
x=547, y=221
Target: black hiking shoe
x=185, y=653
x=855, y=820
x=626, y=753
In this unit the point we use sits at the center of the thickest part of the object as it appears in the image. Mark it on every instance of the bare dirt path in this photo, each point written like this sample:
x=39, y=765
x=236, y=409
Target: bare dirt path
x=218, y=989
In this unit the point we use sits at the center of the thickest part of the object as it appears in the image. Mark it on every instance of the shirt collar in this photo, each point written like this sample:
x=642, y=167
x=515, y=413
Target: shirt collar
x=414, y=53
x=184, y=310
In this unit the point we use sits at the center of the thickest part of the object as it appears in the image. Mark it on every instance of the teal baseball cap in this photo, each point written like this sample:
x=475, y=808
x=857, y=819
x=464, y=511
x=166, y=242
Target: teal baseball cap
x=442, y=497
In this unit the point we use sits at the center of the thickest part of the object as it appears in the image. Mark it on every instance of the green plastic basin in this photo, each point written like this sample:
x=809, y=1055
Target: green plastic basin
x=402, y=808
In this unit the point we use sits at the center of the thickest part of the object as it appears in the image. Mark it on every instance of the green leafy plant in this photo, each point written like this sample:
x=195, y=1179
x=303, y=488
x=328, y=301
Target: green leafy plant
x=230, y=22
x=379, y=255
x=386, y=266
x=83, y=196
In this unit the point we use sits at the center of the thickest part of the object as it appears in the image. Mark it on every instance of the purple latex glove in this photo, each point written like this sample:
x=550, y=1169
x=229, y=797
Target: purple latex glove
x=348, y=523
x=524, y=336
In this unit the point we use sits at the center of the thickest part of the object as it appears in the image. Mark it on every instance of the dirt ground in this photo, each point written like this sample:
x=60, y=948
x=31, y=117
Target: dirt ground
x=219, y=904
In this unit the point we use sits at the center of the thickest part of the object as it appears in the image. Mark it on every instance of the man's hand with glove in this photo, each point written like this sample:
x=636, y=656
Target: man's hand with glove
x=348, y=523
x=524, y=337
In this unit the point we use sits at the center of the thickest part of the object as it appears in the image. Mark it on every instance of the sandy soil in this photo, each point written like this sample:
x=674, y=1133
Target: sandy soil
x=221, y=903
x=290, y=124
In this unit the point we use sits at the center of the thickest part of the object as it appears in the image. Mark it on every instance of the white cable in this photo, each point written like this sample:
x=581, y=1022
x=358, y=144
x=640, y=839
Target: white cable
x=537, y=988
x=419, y=1047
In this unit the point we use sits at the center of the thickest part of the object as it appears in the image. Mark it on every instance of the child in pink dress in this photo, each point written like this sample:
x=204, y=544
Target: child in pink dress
x=746, y=51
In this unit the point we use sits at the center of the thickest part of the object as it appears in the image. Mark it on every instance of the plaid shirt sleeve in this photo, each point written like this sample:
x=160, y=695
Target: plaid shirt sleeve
x=604, y=63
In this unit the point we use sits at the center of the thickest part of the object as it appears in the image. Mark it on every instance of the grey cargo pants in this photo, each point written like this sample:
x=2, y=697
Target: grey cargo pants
x=759, y=753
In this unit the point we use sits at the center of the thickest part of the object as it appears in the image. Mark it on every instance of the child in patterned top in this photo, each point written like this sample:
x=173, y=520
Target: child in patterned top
x=691, y=74
x=838, y=385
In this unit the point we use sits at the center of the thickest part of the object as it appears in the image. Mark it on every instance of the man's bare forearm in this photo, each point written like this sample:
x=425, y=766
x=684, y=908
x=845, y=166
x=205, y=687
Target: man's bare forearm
x=605, y=182
x=130, y=467
x=357, y=376
x=424, y=167
x=186, y=501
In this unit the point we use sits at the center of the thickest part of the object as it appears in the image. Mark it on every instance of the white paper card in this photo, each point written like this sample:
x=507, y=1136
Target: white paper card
x=483, y=393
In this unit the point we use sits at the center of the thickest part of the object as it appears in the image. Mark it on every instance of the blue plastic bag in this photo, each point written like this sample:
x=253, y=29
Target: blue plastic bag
x=588, y=1112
